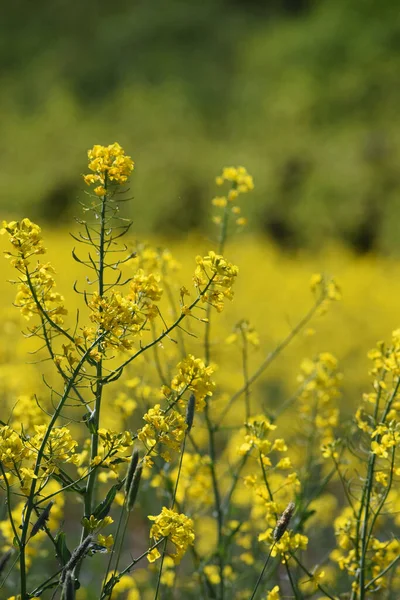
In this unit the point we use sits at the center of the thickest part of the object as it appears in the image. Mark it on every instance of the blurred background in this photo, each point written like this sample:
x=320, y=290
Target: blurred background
x=305, y=94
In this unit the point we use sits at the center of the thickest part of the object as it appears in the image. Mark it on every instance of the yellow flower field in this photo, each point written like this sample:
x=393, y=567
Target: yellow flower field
x=198, y=419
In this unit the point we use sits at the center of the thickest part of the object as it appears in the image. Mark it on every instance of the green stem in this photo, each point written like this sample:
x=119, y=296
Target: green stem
x=245, y=368
x=91, y=482
x=262, y=572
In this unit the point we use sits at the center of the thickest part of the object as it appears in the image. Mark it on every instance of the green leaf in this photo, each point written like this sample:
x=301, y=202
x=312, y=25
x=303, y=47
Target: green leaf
x=63, y=554
x=103, y=508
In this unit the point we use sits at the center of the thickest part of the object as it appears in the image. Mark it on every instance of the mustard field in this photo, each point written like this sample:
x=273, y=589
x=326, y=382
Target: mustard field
x=208, y=418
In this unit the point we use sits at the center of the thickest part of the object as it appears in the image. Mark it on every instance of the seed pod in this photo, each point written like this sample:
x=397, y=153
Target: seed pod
x=68, y=590
x=41, y=522
x=131, y=470
x=133, y=490
x=284, y=521
x=77, y=555
x=190, y=412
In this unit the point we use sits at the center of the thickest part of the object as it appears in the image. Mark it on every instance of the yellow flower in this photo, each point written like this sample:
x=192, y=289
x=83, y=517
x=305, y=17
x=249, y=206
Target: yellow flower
x=222, y=273
x=177, y=527
x=162, y=428
x=108, y=163
x=273, y=594
x=195, y=376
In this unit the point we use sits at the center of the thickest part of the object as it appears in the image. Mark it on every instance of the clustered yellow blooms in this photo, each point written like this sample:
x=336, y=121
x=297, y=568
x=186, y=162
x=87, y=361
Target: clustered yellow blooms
x=219, y=274
x=193, y=375
x=164, y=428
x=177, y=527
x=18, y=453
x=119, y=318
x=12, y=447
x=241, y=183
x=59, y=449
x=320, y=380
x=109, y=164
x=35, y=294
x=122, y=317
x=379, y=415
x=113, y=449
x=26, y=238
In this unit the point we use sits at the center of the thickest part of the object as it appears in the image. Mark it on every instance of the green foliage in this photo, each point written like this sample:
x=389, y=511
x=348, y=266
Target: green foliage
x=304, y=92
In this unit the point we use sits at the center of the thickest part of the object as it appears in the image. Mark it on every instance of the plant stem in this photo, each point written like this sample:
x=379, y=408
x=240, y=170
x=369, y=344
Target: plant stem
x=91, y=482
x=262, y=572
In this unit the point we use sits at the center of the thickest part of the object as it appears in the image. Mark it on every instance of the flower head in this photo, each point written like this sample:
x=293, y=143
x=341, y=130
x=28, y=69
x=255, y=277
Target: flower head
x=177, y=527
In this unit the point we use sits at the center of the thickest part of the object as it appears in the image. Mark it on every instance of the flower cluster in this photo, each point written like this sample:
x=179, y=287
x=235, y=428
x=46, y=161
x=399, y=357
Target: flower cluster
x=241, y=183
x=177, y=527
x=218, y=275
x=144, y=291
x=36, y=294
x=113, y=448
x=193, y=375
x=109, y=164
x=59, y=449
x=325, y=287
x=12, y=447
x=164, y=428
x=26, y=238
x=238, y=176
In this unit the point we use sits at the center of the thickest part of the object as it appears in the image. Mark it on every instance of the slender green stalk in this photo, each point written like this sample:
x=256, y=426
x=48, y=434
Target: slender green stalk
x=296, y=592
x=8, y=502
x=262, y=572
x=89, y=495
x=172, y=506
x=245, y=369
